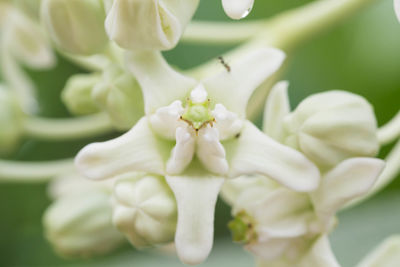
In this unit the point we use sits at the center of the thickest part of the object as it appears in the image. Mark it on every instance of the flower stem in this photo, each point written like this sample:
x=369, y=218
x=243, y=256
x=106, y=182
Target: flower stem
x=292, y=28
x=23, y=172
x=62, y=129
x=390, y=131
x=221, y=33
x=284, y=31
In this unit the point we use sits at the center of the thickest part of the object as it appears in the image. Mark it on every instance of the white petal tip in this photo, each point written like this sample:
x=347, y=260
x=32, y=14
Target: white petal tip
x=193, y=254
x=198, y=94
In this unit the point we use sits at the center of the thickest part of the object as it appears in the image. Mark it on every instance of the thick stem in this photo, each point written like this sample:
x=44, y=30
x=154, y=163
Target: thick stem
x=390, y=131
x=285, y=31
x=292, y=28
x=23, y=172
x=63, y=129
x=221, y=33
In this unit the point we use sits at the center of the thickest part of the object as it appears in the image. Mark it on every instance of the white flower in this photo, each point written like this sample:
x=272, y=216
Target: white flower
x=237, y=9
x=76, y=26
x=280, y=225
x=327, y=127
x=149, y=24
x=198, y=144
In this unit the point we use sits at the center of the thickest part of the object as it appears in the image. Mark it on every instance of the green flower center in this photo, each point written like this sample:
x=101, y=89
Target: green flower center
x=198, y=115
x=242, y=228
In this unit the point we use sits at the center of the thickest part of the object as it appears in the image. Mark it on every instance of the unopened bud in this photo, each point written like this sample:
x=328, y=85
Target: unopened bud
x=155, y=24
x=331, y=127
x=145, y=210
x=80, y=225
x=76, y=26
x=77, y=94
x=11, y=118
x=119, y=94
x=25, y=39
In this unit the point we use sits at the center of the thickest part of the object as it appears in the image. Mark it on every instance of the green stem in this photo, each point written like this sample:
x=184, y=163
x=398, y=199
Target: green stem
x=221, y=33
x=390, y=131
x=292, y=28
x=285, y=31
x=62, y=129
x=22, y=172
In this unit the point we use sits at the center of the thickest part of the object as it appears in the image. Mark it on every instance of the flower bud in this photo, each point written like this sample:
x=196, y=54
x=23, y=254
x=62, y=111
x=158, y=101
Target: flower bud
x=29, y=7
x=25, y=39
x=149, y=24
x=77, y=94
x=119, y=94
x=80, y=225
x=76, y=26
x=332, y=126
x=10, y=121
x=145, y=210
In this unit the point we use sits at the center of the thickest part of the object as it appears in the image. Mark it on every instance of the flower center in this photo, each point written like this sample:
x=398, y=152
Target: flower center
x=198, y=115
x=242, y=228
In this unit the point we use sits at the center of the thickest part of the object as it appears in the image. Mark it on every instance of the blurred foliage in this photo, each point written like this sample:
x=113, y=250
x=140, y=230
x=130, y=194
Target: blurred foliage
x=361, y=55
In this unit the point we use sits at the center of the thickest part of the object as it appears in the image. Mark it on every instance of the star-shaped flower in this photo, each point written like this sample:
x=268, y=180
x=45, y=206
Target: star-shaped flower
x=197, y=145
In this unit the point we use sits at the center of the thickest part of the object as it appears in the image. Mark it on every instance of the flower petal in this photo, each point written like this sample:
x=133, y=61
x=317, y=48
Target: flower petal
x=397, y=8
x=227, y=123
x=256, y=153
x=279, y=213
x=210, y=151
x=166, y=120
x=271, y=250
x=276, y=108
x=320, y=255
x=182, y=153
x=237, y=9
x=161, y=85
x=386, y=254
x=350, y=179
x=196, y=197
x=234, y=88
x=137, y=150
x=150, y=24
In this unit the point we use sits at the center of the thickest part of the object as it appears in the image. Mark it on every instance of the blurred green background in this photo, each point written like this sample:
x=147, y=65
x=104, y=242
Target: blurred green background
x=361, y=55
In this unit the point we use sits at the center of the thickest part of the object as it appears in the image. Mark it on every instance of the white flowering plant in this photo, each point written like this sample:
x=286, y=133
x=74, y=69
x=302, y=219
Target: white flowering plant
x=146, y=146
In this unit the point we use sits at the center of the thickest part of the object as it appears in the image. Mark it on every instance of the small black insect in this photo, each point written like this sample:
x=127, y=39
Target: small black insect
x=227, y=67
